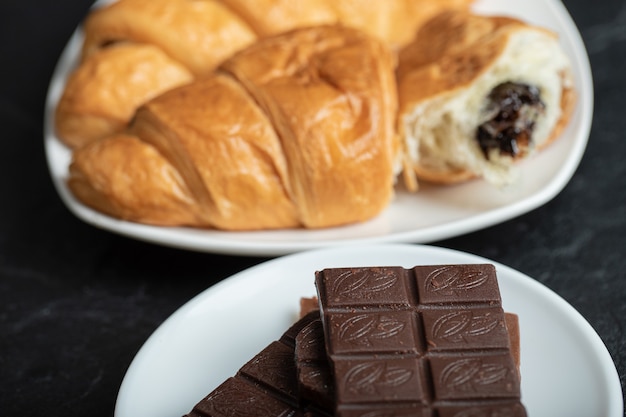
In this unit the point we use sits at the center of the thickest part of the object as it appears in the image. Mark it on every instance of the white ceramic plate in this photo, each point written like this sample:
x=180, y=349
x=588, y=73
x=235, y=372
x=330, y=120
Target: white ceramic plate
x=566, y=369
x=432, y=214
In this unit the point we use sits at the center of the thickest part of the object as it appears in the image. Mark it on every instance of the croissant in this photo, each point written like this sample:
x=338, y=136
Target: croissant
x=479, y=94
x=285, y=133
x=197, y=36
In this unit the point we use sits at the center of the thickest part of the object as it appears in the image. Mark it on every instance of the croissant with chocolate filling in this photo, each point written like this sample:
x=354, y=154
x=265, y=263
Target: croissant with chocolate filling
x=477, y=94
x=285, y=134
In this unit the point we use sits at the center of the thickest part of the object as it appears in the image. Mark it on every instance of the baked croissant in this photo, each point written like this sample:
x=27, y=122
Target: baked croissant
x=477, y=94
x=198, y=35
x=286, y=133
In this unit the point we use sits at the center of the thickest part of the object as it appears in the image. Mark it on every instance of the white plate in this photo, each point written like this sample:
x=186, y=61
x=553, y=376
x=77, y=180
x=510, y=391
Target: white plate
x=432, y=214
x=566, y=369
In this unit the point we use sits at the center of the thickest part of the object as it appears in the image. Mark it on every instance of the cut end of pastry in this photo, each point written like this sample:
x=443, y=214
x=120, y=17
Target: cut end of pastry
x=475, y=112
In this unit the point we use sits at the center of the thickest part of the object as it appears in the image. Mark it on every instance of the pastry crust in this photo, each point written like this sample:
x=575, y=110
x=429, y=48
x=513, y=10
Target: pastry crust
x=285, y=134
x=225, y=149
x=272, y=17
x=392, y=21
x=102, y=94
x=336, y=124
x=201, y=155
x=445, y=76
x=124, y=177
x=198, y=34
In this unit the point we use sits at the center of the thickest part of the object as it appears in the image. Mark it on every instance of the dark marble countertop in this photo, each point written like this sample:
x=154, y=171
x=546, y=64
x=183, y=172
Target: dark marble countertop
x=77, y=302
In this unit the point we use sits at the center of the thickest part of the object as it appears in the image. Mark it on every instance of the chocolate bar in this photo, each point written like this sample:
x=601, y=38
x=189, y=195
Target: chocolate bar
x=266, y=386
x=426, y=341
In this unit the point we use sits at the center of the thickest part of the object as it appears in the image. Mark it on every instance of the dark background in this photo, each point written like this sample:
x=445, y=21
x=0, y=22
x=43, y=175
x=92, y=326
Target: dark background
x=76, y=302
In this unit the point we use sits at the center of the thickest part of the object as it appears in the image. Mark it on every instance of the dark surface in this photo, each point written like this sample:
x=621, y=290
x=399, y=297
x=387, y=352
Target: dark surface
x=76, y=303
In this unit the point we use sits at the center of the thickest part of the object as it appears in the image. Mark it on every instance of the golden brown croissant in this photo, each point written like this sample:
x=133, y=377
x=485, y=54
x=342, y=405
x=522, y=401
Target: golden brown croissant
x=477, y=94
x=286, y=133
x=131, y=47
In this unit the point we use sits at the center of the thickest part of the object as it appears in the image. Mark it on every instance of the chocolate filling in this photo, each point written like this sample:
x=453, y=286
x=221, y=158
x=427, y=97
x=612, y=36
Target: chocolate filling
x=514, y=109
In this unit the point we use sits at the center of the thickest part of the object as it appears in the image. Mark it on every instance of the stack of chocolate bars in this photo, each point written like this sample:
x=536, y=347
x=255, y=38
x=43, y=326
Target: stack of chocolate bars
x=386, y=342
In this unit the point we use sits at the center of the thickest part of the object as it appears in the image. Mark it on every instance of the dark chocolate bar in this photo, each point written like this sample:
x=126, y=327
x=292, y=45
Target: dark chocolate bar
x=266, y=386
x=426, y=341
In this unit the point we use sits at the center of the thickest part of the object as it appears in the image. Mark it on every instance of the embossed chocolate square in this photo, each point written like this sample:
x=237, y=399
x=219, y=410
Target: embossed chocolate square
x=237, y=397
x=360, y=287
x=465, y=328
x=266, y=386
x=457, y=284
x=474, y=376
x=390, y=331
x=430, y=338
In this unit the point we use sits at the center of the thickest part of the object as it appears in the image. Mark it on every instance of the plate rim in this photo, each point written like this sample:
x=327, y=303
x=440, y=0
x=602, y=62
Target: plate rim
x=394, y=250
x=209, y=241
